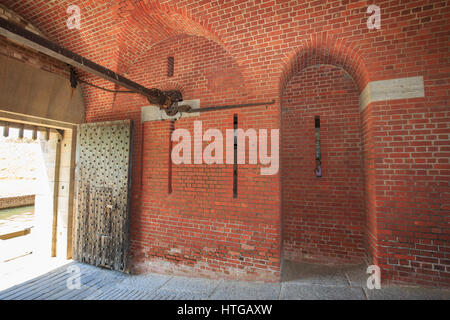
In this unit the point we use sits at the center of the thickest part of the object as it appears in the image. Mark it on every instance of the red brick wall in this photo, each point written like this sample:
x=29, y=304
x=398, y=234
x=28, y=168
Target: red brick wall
x=199, y=228
x=26, y=55
x=323, y=218
x=411, y=175
x=405, y=143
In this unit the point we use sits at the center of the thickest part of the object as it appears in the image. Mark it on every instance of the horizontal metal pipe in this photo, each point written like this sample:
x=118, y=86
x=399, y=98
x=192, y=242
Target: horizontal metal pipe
x=232, y=106
x=24, y=37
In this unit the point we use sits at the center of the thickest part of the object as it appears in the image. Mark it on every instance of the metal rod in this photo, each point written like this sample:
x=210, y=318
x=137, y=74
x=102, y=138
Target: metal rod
x=24, y=37
x=232, y=106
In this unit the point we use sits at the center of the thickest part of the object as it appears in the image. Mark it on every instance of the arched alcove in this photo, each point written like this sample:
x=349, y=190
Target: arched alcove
x=323, y=218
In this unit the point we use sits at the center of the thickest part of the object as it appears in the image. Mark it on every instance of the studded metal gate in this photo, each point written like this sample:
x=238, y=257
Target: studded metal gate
x=103, y=176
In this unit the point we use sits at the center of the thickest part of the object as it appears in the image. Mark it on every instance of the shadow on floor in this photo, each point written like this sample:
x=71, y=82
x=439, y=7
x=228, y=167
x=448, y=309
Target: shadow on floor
x=296, y=272
x=301, y=282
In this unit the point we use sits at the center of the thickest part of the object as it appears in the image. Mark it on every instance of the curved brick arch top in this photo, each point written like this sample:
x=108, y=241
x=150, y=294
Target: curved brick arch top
x=149, y=23
x=172, y=85
x=202, y=69
x=326, y=51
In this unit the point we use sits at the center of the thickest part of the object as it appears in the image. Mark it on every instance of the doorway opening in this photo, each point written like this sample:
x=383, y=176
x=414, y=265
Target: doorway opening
x=36, y=168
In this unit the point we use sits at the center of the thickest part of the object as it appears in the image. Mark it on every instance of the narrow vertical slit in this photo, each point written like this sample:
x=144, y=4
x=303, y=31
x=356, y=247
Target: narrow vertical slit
x=317, y=133
x=170, y=66
x=318, y=169
x=235, y=166
x=172, y=128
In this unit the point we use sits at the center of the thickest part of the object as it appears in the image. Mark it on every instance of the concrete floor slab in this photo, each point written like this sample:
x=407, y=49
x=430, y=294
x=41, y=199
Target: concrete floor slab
x=294, y=291
x=407, y=293
x=356, y=275
x=234, y=290
x=310, y=274
x=204, y=287
x=143, y=282
x=313, y=282
x=170, y=294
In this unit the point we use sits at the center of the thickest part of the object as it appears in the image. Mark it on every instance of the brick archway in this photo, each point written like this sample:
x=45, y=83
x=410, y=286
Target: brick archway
x=147, y=25
x=324, y=219
x=323, y=49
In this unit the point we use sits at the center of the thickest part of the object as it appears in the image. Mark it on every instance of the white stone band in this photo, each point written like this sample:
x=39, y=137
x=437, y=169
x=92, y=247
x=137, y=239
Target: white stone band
x=153, y=113
x=392, y=89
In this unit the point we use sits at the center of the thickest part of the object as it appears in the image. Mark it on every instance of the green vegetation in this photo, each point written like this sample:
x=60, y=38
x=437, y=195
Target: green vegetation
x=6, y=213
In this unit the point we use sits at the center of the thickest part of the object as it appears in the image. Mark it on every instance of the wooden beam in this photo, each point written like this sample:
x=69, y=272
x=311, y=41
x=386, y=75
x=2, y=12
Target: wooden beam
x=56, y=197
x=25, y=126
x=29, y=39
x=15, y=234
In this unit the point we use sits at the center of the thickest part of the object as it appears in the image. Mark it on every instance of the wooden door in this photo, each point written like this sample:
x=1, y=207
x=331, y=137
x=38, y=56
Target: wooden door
x=103, y=178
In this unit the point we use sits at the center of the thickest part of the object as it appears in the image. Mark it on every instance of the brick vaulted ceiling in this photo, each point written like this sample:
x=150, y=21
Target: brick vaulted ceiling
x=263, y=37
x=113, y=33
